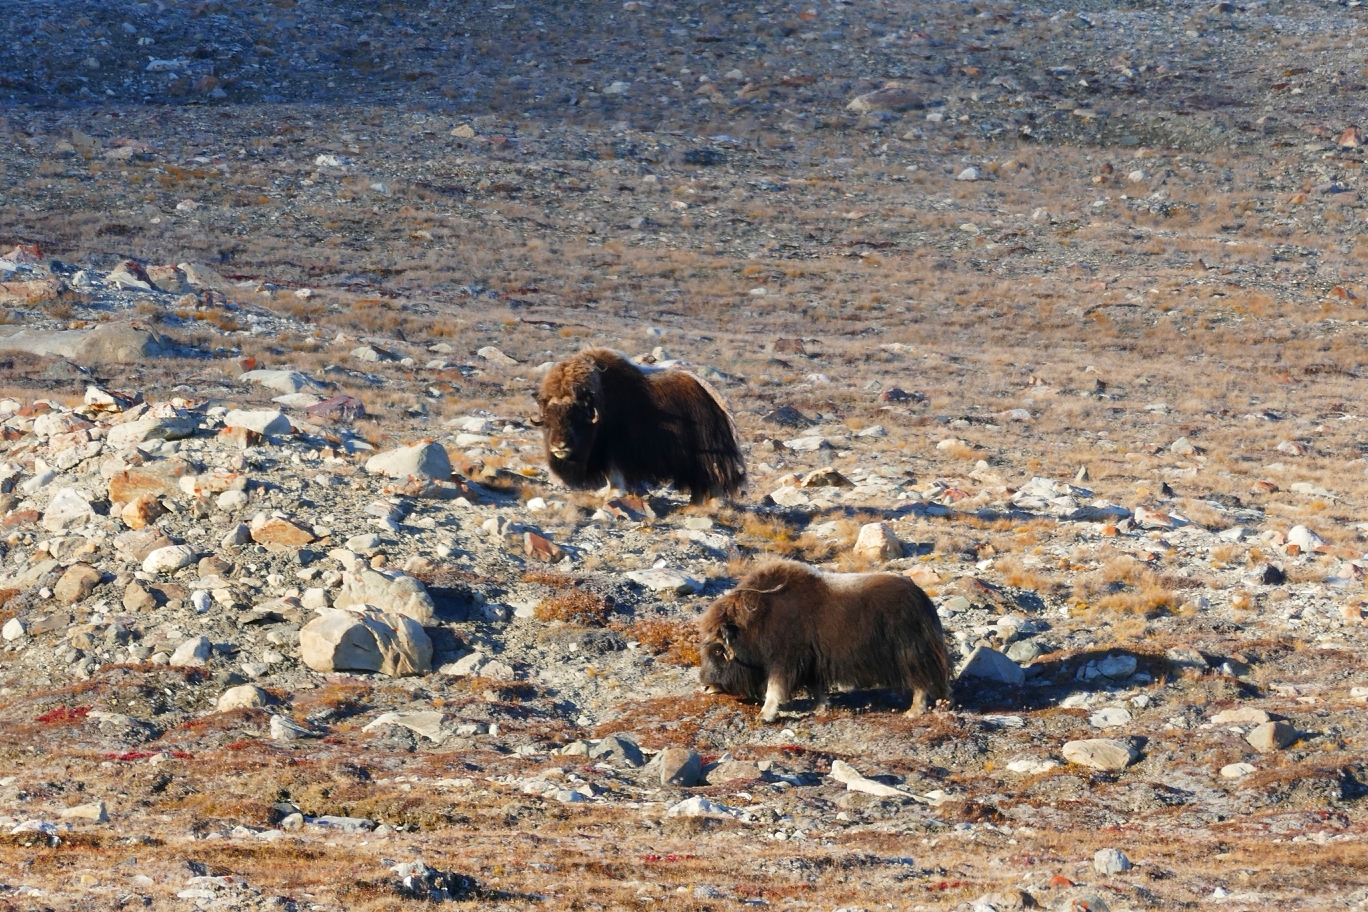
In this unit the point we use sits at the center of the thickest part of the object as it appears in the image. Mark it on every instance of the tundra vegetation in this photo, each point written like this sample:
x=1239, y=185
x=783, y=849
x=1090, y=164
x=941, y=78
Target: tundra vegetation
x=1057, y=312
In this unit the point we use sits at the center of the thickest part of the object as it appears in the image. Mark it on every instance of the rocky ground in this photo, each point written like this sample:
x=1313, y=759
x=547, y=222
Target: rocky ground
x=1057, y=311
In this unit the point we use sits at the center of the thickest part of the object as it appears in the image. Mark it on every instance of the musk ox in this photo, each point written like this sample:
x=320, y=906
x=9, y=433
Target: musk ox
x=787, y=626
x=605, y=420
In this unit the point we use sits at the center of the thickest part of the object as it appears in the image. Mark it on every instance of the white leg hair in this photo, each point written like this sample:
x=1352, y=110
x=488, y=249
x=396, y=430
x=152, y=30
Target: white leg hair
x=616, y=486
x=775, y=693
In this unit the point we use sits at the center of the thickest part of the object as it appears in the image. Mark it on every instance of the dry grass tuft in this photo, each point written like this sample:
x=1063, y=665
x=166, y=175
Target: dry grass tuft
x=575, y=606
x=675, y=641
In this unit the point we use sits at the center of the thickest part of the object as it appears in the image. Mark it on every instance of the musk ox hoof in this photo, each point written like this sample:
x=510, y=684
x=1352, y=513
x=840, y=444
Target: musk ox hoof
x=769, y=715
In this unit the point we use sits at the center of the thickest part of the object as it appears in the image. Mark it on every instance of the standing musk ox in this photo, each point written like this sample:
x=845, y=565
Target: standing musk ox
x=605, y=420
x=787, y=626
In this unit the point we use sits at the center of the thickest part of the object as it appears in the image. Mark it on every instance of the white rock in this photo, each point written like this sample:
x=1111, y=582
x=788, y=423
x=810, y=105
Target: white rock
x=854, y=781
x=1304, y=538
x=968, y=174
x=268, y=422
x=68, y=509
x=494, y=356
x=1110, y=717
x=789, y=496
x=989, y=664
x=391, y=644
x=661, y=580
x=1237, y=770
x=698, y=806
x=284, y=381
x=1117, y=667
x=877, y=542
x=245, y=696
x=809, y=444
x=169, y=559
x=1110, y=861
x=13, y=630
x=1101, y=753
x=233, y=501
x=425, y=458
x=193, y=652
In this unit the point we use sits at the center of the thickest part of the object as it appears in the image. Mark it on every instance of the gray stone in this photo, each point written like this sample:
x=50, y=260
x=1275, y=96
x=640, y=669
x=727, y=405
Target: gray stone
x=107, y=343
x=425, y=459
x=1101, y=753
x=427, y=723
x=1110, y=861
x=618, y=747
x=1024, y=651
x=1110, y=717
x=366, y=640
x=283, y=729
x=991, y=665
x=1272, y=736
x=1117, y=667
x=856, y=782
x=680, y=767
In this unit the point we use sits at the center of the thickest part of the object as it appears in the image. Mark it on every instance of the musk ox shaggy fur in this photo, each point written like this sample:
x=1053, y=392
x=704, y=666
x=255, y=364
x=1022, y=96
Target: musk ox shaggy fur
x=605, y=420
x=787, y=626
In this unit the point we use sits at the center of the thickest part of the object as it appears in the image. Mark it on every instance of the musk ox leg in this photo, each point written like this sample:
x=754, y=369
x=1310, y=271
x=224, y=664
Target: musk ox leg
x=920, y=702
x=776, y=692
x=823, y=702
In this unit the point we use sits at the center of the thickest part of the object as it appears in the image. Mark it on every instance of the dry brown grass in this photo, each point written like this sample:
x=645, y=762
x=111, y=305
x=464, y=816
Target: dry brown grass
x=575, y=606
x=676, y=642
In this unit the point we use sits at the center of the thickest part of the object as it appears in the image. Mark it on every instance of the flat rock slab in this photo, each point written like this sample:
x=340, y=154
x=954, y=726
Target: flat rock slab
x=1101, y=753
x=108, y=343
x=285, y=381
x=658, y=580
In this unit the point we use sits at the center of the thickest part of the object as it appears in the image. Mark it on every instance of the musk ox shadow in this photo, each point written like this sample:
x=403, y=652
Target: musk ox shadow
x=787, y=627
x=607, y=421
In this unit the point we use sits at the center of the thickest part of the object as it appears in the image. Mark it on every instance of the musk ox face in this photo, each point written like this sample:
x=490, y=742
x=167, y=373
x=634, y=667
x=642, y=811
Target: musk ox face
x=727, y=666
x=569, y=427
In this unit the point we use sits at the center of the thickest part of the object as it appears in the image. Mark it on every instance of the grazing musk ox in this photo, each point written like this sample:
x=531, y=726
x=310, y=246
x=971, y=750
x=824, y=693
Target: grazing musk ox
x=605, y=420
x=787, y=626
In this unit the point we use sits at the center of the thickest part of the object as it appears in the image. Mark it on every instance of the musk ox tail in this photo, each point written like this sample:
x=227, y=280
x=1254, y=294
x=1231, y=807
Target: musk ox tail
x=720, y=464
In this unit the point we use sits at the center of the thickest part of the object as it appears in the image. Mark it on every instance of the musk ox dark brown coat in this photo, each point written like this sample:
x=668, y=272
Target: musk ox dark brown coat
x=787, y=626
x=607, y=421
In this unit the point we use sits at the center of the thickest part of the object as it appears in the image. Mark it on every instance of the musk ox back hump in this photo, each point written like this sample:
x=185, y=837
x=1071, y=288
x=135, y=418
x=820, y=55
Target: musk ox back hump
x=648, y=427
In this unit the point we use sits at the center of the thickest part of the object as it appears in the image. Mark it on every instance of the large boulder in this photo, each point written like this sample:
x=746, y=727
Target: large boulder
x=425, y=459
x=387, y=590
x=285, y=381
x=108, y=343
x=366, y=640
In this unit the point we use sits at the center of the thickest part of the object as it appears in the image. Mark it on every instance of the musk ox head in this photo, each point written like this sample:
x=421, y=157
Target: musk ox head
x=569, y=412
x=729, y=661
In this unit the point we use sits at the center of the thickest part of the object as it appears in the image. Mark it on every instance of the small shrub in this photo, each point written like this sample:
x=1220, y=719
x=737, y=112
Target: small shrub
x=676, y=642
x=575, y=606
